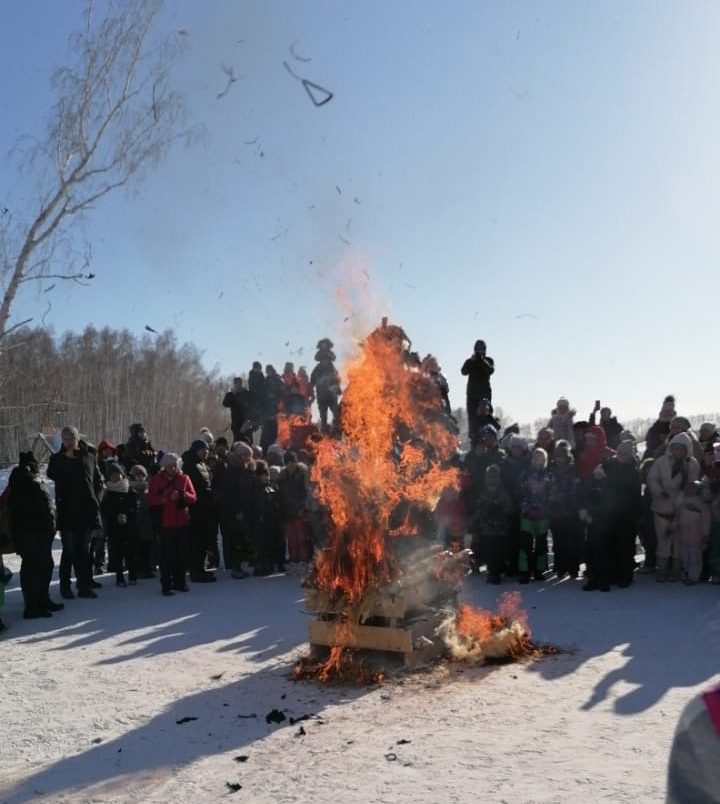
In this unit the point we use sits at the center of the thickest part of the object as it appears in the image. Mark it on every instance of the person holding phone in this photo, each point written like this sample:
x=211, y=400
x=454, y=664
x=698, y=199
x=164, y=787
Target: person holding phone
x=478, y=368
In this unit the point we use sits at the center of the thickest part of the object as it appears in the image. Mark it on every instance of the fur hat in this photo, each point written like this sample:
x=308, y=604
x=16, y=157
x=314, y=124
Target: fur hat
x=170, y=459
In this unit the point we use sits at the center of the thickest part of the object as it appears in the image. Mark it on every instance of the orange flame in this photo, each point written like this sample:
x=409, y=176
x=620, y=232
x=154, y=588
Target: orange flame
x=388, y=470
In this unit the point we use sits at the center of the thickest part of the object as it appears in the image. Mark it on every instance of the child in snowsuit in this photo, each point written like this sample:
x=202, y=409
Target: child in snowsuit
x=562, y=422
x=668, y=477
x=269, y=536
x=293, y=492
x=694, y=523
x=119, y=509
x=565, y=503
x=534, y=518
x=146, y=543
x=491, y=523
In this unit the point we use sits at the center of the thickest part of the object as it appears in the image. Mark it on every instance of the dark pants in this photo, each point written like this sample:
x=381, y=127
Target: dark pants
x=269, y=548
x=123, y=552
x=97, y=549
x=36, y=571
x=493, y=547
x=597, y=555
x=648, y=537
x=203, y=530
x=237, y=546
x=172, y=548
x=269, y=433
x=567, y=544
x=76, y=555
x=327, y=402
x=621, y=550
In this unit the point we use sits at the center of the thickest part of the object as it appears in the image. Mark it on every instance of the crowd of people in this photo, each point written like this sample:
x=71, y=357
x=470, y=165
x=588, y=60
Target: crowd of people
x=578, y=492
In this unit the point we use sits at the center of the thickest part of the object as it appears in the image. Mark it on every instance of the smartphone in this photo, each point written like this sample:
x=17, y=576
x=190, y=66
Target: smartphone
x=597, y=403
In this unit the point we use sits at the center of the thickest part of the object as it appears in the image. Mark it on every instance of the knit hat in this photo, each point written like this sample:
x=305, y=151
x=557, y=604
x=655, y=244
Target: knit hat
x=668, y=407
x=113, y=468
x=493, y=469
x=562, y=446
x=136, y=428
x=170, y=459
x=485, y=402
x=70, y=431
x=626, y=448
x=488, y=430
x=517, y=441
x=198, y=444
x=206, y=435
x=241, y=448
x=138, y=470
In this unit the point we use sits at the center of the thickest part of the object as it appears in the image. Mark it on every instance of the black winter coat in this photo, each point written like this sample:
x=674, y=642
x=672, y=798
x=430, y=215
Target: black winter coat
x=120, y=501
x=138, y=451
x=238, y=497
x=478, y=370
x=199, y=472
x=239, y=404
x=78, y=485
x=32, y=514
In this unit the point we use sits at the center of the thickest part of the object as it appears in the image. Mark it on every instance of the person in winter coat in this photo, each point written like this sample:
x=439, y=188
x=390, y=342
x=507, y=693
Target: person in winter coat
x=681, y=424
x=107, y=455
x=579, y=430
x=325, y=381
x=256, y=393
x=667, y=479
x=512, y=469
x=694, y=526
x=565, y=499
x=305, y=391
x=485, y=452
x=269, y=536
x=597, y=517
x=648, y=537
x=238, y=400
x=203, y=516
x=534, y=518
x=32, y=518
x=694, y=770
x=478, y=368
x=658, y=432
x=562, y=420
x=431, y=367
x=491, y=524
x=594, y=452
x=78, y=485
x=623, y=481
x=146, y=537
x=120, y=507
x=238, y=497
x=274, y=390
x=612, y=427
x=171, y=490
x=293, y=489
x=484, y=416
x=139, y=449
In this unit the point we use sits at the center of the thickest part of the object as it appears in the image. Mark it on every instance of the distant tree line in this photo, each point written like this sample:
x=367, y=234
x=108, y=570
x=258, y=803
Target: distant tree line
x=101, y=381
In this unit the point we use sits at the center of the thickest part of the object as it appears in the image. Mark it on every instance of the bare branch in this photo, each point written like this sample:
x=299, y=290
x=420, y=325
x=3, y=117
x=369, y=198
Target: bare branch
x=14, y=327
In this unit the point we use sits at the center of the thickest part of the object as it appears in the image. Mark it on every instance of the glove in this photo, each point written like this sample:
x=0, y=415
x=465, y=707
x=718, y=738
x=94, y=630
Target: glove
x=122, y=519
x=583, y=514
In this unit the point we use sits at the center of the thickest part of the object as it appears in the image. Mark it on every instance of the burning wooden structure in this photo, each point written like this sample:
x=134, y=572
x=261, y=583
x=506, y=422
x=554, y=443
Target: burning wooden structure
x=381, y=583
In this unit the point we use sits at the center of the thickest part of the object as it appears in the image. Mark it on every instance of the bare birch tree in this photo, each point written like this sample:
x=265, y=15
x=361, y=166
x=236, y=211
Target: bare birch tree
x=115, y=117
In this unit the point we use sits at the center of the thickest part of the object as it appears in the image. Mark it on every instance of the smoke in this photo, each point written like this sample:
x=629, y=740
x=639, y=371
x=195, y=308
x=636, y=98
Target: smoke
x=505, y=643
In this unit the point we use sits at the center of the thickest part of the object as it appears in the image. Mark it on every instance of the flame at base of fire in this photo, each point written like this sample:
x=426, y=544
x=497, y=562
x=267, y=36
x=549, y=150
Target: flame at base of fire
x=469, y=635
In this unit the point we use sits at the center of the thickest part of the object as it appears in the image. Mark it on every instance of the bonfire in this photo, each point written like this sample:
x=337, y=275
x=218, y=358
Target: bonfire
x=382, y=585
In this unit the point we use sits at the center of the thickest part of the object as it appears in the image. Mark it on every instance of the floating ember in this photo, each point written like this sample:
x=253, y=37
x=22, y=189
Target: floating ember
x=382, y=585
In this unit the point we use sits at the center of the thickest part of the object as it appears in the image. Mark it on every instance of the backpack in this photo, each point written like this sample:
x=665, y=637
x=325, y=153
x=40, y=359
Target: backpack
x=7, y=544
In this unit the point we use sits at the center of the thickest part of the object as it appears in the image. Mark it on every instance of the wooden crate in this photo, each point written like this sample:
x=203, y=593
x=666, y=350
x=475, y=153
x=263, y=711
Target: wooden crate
x=356, y=625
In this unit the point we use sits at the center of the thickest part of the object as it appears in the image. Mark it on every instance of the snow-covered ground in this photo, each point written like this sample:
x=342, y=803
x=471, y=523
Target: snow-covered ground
x=91, y=701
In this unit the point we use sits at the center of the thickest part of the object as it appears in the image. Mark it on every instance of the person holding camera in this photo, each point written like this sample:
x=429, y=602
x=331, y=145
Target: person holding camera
x=478, y=368
x=238, y=400
x=172, y=492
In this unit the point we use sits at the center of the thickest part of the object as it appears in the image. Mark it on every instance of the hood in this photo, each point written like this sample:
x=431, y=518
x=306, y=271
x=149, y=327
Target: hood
x=686, y=441
x=599, y=433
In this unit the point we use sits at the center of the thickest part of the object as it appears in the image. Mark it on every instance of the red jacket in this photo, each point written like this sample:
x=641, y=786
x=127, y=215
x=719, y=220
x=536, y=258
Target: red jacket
x=159, y=494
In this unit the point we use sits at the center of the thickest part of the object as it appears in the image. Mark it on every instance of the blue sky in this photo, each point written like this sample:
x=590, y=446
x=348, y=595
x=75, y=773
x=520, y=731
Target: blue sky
x=549, y=159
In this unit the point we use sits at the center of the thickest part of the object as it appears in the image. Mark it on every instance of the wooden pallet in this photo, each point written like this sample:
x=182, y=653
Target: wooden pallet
x=381, y=622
